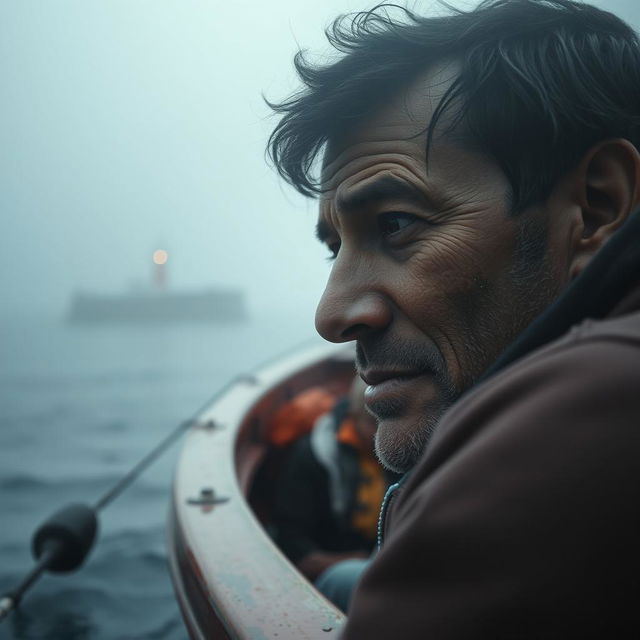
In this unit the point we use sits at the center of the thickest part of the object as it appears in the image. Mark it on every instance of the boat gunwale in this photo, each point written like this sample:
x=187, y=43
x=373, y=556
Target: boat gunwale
x=262, y=595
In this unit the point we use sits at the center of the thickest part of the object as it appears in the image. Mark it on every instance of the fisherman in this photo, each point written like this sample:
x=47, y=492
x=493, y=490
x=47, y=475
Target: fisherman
x=479, y=175
x=328, y=497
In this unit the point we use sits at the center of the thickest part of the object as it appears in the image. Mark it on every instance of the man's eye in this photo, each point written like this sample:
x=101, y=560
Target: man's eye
x=394, y=221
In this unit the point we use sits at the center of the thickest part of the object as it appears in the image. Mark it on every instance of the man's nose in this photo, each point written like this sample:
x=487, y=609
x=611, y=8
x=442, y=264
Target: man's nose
x=351, y=306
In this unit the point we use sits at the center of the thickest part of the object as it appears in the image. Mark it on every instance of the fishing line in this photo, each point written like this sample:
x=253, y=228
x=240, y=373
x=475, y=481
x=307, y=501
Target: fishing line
x=63, y=541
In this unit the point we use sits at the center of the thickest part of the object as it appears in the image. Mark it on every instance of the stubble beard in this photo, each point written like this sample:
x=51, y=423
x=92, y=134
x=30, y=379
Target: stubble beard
x=399, y=448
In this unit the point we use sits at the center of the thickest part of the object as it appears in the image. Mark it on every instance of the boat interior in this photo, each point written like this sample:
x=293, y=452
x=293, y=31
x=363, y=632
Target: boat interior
x=258, y=458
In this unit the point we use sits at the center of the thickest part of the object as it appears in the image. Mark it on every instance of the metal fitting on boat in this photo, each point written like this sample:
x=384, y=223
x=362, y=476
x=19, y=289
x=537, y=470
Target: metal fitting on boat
x=207, y=497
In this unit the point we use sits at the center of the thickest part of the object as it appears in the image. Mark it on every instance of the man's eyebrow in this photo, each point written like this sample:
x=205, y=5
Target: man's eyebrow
x=383, y=188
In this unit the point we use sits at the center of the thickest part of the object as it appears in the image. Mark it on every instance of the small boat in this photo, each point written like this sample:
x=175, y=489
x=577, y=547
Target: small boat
x=230, y=579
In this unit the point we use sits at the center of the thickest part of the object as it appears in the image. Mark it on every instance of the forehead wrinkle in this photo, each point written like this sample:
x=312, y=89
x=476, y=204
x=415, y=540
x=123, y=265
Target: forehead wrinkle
x=403, y=121
x=354, y=159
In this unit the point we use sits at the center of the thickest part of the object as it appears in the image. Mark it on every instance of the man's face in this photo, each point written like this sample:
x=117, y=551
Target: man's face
x=431, y=276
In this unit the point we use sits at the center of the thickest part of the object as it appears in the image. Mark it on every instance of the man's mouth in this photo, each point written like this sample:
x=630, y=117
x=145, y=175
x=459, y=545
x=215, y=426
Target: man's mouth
x=390, y=389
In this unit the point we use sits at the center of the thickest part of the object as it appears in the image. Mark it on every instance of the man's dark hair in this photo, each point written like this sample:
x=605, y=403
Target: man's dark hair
x=540, y=81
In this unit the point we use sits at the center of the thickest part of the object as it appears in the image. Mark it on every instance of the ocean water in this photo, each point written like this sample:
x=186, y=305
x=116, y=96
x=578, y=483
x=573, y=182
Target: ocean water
x=78, y=408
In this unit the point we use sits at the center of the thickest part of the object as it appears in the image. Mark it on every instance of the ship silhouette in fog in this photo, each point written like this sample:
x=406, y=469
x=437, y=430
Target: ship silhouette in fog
x=159, y=305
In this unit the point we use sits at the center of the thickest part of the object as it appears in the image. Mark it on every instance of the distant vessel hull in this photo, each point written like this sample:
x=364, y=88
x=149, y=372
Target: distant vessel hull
x=216, y=306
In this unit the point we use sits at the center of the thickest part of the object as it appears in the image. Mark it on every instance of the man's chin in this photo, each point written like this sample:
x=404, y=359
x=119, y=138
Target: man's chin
x=400, y=442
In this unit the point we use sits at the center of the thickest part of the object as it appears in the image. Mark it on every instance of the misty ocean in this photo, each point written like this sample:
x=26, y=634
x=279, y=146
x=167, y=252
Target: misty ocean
x=79, y=407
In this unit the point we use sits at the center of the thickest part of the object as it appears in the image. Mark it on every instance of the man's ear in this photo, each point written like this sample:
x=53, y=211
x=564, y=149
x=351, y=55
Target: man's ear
x=607, y=190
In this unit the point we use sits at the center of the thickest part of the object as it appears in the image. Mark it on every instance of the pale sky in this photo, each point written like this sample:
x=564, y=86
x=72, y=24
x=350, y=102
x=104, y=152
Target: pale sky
x=129, y=125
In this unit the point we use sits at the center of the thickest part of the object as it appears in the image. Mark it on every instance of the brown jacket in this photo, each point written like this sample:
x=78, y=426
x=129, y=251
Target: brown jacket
x=522, y=520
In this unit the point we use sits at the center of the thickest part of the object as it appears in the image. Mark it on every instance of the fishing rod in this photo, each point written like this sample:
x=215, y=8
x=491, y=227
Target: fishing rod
x=63, y=541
